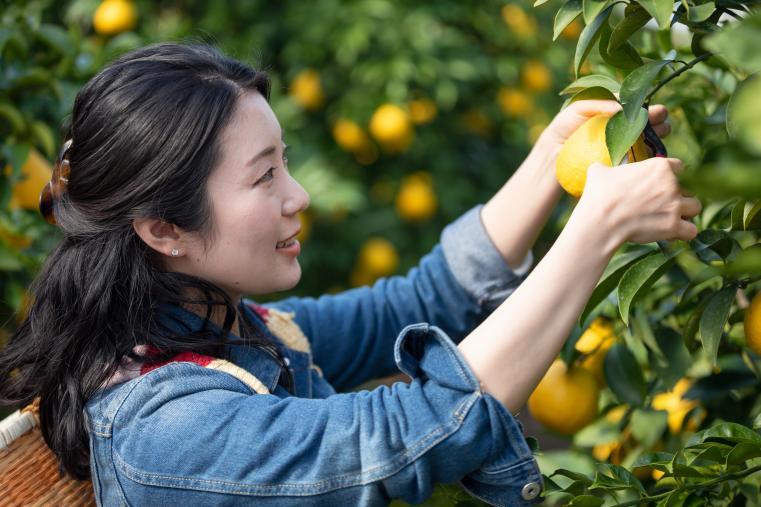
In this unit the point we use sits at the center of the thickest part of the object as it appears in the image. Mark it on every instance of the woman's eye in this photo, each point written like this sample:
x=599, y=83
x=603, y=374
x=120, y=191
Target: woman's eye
x=268, y=176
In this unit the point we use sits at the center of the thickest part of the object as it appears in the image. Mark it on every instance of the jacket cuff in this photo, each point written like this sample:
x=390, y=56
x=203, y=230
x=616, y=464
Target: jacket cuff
x=477, y=264
x=510, y=475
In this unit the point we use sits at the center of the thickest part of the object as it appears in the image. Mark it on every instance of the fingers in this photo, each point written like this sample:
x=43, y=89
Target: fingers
x=657, y=114
x=689, y=207
x=686, y=230
x=676, y=165
x=593, y=107
x=663, y=129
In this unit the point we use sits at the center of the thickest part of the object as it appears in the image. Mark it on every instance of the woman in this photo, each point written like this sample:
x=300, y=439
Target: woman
x=162, y=383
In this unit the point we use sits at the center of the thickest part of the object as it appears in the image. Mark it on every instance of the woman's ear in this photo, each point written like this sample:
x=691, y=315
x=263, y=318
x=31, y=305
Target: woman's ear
x=161, y=236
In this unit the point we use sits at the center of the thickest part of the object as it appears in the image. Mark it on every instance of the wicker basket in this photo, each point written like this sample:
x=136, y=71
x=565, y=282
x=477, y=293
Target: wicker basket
x=28, y=469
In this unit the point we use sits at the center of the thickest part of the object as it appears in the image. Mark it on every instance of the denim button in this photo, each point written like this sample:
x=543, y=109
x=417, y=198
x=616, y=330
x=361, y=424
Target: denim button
x=287, y=361
x=531, y=491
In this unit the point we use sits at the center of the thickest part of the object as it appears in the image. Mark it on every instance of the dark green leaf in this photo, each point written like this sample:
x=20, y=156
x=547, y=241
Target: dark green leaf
x=586, y=501
x=566, y=14
x=635, y=17
x=621, y=134
x=752, y=218
x=616, y=477
x=743, y=452
x=592, y=8
x=660, y=10
x=576, y=476
x=693, y=322
x=588, y=37
x=743, y=112
x=737, y=43
x=719, y=385
x=652, y=459
x=611, y=276
x=677, y=357
x=713, y=320
x=639, y=277
x=624, y=376
x=697, y=13
x=592, y=80
x=747, y=262
x=622, y=57
x=637, y=85
x=594, y=93
x=736, y=216
x=730, y=431
x=642, y=331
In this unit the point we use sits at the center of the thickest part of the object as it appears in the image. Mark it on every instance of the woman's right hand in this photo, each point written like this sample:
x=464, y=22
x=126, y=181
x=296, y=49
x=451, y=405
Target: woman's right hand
x=641, y=202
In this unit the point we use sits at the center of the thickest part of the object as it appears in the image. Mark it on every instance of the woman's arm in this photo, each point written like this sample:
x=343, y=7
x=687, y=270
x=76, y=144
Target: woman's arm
x=510, y=351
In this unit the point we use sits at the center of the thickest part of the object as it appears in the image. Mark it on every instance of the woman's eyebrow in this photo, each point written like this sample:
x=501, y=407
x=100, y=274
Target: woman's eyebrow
x=266, y=151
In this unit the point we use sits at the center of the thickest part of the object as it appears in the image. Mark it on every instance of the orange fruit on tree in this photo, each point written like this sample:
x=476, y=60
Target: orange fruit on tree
x=520, y=23
x=585, y=147
x=752, y=324
x=422, y=111
x=514, y=102
x=391, y=126
x=536, y=76
x=565, y=399
x=673, y=403
x=573, y=30
x=378, y=257
x=306, y=90
x=114, y=16
x=416, y=200
x=35, y=173
x=349, y=135
x=594, y=343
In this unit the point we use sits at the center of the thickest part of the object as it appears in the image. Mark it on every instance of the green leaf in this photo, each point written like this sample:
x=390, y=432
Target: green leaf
x=637, y=85
x=713, y=320
x=747, y=262
x=592, y=8
x=594, y=93
x=639, y=278
x=654, y=459
x=648, y=425
x=660, y=10
x=622, y=57
x=612, y=477
x=621, y=134
x=737, y=43
x=642, y=331
x=588, y=37
x=743, y=452
x=611, y=276
x=752, y=218
x=9, y=259
x=743, y=112
x=635, y=17
x=677, y=357
x=714, y=245
x=537, y=3
x=731, y=432
x=571, y=475
x=624, y=376
x=592, y=80
x=567, y=13
x=697, y=13
x=586, y=501
x=690, y=330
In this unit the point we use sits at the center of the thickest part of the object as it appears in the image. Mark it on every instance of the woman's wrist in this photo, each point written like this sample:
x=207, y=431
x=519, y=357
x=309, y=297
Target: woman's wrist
x=596, y=222
x=540, y=164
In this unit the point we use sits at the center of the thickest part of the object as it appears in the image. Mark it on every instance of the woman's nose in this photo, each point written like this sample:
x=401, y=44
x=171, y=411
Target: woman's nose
x=297, y=200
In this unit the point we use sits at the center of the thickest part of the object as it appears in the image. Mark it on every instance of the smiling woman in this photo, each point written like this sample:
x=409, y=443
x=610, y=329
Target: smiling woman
x=158, y=379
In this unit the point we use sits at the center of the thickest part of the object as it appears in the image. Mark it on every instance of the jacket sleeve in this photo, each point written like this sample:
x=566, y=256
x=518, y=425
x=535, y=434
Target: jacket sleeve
x=454, y=287
x=359, y=448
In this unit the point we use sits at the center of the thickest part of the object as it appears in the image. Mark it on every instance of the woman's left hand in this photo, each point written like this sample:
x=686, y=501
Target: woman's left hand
x=572, y=117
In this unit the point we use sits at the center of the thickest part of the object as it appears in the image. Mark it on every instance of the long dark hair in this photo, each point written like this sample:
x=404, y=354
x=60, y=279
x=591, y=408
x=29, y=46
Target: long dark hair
x=145, y=136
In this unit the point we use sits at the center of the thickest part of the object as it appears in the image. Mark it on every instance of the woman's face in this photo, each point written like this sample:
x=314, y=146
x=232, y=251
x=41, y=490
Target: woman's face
x=255, y=206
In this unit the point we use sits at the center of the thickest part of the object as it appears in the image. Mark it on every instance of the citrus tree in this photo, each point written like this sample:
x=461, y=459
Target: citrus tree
x=660, y=381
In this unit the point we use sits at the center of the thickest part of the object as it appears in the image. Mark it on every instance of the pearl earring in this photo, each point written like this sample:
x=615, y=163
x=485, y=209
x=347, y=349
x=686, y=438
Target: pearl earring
x=175, y=252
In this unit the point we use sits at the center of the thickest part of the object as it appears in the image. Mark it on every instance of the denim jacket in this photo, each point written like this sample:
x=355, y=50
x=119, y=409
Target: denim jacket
x=187, y=435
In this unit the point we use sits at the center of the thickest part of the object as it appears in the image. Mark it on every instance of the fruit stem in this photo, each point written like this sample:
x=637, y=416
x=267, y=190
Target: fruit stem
x=675, y=74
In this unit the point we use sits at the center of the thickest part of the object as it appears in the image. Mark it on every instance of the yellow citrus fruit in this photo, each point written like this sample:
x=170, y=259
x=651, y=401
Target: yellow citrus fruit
x=349, y=135
x=477, y=122
x=536, y=77
x=616, y=414
x=590, y=340
x=114, y=16
x=672, y=402
x=572, y=31
x=752, y=324
x=520, y=23
x=422, y=111
x=566, y=398
x=416, y=200
x=608, y=451
x=378, y=257
x=657, y=474
x=515, y=103
x=390, y=125
x=35, y=173
x=585, y=147
x=306, y=90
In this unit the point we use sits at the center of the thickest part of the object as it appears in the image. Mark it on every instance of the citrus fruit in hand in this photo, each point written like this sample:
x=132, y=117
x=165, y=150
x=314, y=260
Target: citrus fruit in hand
x=114, y=16
x=752, y=324
x=585, y=147
x=566, y=398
